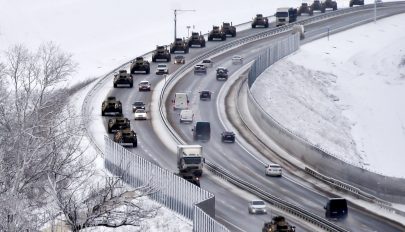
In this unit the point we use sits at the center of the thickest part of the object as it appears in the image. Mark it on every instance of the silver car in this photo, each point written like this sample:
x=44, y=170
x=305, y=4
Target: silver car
x=257, y=207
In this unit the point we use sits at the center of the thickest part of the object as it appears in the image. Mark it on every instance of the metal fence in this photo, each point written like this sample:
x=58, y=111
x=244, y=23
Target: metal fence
x=273, y=54
x=167, y=188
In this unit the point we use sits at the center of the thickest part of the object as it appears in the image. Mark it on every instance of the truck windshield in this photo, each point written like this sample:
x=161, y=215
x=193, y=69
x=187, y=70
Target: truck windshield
x=282, y=14
x=192, y=160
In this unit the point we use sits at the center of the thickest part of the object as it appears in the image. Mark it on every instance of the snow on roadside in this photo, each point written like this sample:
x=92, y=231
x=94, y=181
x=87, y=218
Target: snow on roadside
x=346, y=94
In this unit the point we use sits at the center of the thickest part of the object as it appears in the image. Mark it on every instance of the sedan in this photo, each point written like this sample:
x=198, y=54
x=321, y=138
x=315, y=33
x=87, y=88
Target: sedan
x=137, y=105
x=237, y=59
x=228, y=137
x=179, y=59
x=273, y=170
x=144, y=86
x=257, y=206
x=140, y=114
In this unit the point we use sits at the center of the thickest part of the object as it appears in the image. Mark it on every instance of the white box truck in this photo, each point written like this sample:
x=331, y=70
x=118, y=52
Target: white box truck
x=190, y=159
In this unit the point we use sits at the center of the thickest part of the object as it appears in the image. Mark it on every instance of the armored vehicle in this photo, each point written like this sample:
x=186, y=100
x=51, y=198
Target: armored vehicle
x=304, y=9
x=278, y=224
x=316, y=6
x=228, y=29
x=161, y=54
x=126, y=137
x=116, y=124
x=222, y=73
x=179, y=46
x=356, y=2
x=216, y=34
x=261, y=21
x=329, y=4
x=123, y=78
x=196, y=40
x=111, y=106
x=140, y=65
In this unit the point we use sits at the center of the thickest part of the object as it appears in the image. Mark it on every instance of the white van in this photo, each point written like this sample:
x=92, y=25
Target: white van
x=186, y=116
x=180, y=101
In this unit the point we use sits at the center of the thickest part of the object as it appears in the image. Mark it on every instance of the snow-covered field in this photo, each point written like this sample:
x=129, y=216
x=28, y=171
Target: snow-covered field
x=346, y=94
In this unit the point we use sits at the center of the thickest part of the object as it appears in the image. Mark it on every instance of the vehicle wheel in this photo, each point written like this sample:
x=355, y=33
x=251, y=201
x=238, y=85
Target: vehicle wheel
x=135, y=144
x=266, y=26
x=253, y=26
x=109, y=130
x=115, y=85
x=351, y=5
x=209, y=38
x=102, y=113
x=131, y=85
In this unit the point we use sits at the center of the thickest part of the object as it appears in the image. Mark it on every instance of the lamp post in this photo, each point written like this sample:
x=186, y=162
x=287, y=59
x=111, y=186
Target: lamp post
x=175, y=21
x=188, y=31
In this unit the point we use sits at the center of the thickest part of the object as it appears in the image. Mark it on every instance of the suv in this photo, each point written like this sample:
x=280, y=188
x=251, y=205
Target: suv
x=126, y=137
x=162, y=69
x=228, y=137
x=207, y=63
x=138, y=105
x=336, y=208
x=179, y=59
x=144, y=86
x=222, y=73
x=273, y=170
x=116, y=124
x=257, y=206
x=205, y=95
x=202, y=131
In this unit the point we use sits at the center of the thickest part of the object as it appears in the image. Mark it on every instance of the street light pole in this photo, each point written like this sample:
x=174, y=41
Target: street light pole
x=175, y=21
x=375, y=11
x=188, y=31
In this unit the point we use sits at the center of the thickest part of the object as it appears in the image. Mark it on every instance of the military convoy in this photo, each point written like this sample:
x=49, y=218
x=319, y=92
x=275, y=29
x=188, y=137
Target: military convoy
x=216, y=34
x=179, y=46
x=140, y=65
x=278, y=224
x=126, y=137
x=161, y=54
x=123, y=78
x=111, y=106
x=228, y=29
x=116, y=124
x=261, y=21
x=196, y=40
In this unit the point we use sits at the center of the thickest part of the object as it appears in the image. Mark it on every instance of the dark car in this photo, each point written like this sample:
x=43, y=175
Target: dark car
x=202, y=131
x=205, y=95
x=228, y=137
x=179, y=59
x=137, y=105
x=222, y=73
x=336, y=208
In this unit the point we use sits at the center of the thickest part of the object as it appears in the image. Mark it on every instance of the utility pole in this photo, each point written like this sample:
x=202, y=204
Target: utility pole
x=175, y=21
x=375, y=11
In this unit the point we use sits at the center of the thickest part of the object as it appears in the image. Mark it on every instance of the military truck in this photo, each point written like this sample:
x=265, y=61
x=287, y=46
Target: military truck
x=228, y=29
x=356, y=2
x=216, y=34
x=140, y=65
x=329, y=4
x=278, y=224
x=123, y=78
x=304, y=9
x=126, y=137
x=116, y=124
x=316, y=6
x=111, y=106
x=161, y=54
x=261, y=21
x=190, y=159
x=179, y=46
x=222, y=73
x=196, y=40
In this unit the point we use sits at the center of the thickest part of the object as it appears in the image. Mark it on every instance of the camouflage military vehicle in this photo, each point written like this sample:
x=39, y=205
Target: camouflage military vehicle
x=356, y=2
x=126, y=137
x=216, y=34
x=116, y=124
x=111, y=106
x=196, y=40
x=140, y=65
x=329, y=4
x=228, y=29
x=304, y=9
x=123, y=78
x=278, y=224
x=261, y=21
x=179, y=46
x=161, y=54
x=316, y=6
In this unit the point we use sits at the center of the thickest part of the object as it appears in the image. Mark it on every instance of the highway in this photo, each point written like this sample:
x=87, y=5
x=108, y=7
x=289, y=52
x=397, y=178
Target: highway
x=231, y=204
